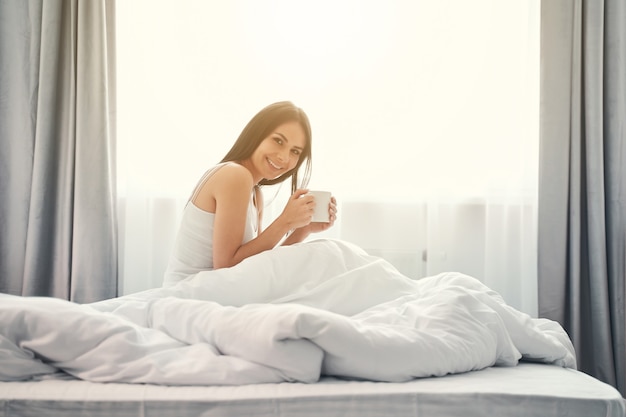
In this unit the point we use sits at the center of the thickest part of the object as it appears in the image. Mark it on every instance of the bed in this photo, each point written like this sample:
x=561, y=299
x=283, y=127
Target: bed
x=527, y=389
x=320, y=328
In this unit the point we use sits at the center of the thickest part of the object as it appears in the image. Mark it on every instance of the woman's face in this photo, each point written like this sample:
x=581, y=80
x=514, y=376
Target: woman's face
x=279, y=152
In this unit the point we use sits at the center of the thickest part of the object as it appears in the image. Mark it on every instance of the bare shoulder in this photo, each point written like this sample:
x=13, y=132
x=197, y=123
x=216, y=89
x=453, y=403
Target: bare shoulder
x=232, y=176
x=232, y=181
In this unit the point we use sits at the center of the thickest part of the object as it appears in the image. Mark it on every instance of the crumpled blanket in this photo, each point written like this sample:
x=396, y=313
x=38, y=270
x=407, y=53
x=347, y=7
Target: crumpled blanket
x=294, y=313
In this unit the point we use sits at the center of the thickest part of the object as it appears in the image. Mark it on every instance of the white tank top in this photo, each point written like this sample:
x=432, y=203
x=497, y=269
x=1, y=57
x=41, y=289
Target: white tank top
x=193, y=247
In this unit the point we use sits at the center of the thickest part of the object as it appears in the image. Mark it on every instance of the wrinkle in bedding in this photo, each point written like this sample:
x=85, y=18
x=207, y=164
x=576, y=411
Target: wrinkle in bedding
x=292, y=314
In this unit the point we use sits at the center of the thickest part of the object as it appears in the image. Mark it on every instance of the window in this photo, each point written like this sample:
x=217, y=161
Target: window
x=425, y=123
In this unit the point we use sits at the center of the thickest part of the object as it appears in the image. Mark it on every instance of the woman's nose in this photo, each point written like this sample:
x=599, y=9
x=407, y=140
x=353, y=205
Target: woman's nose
x=283, y=155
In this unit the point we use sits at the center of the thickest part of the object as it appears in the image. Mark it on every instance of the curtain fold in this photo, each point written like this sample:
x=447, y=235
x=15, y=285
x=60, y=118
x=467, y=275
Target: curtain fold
x=57, y=129
x=582, y=192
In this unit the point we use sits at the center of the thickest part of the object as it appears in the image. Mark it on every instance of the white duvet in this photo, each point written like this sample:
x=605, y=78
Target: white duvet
x=290, y=314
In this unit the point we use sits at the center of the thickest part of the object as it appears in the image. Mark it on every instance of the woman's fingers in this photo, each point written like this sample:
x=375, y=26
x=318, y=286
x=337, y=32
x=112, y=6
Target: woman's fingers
x=299, y=193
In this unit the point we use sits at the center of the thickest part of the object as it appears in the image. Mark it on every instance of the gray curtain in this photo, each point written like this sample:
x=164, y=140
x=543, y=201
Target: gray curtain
x=57, y=149
x=582, y=190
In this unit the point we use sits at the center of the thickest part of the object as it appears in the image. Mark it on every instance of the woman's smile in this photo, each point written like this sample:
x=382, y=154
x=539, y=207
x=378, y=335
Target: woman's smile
x=273, y=165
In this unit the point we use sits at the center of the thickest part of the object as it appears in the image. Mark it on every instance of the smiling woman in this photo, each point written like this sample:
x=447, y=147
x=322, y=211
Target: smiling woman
x=221, y=223
x=425, y=120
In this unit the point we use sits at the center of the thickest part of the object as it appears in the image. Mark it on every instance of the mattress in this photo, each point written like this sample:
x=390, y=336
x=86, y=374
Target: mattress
x=528, y=389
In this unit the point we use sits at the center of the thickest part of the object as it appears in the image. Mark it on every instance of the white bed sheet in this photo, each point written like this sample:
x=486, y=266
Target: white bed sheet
x=324, y=307
x=525, y=390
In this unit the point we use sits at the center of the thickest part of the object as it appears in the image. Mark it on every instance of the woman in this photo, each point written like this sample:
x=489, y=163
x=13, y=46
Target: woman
x=221, y=224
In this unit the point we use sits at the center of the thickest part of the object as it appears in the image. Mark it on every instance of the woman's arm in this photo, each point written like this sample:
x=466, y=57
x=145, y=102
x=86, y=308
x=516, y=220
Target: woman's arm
x=232, y=189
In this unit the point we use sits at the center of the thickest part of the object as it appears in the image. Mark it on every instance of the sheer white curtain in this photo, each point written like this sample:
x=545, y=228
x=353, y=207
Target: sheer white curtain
x=424, y=114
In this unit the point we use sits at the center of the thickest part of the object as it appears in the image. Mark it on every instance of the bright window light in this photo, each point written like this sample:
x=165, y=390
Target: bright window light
x=406, y=98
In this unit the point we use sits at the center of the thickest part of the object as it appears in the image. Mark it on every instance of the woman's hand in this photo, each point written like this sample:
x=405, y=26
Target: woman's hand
x=301, y=233
x=299, y=209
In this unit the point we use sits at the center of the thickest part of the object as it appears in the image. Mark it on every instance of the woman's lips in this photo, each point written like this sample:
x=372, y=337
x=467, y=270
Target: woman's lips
x=273, y=165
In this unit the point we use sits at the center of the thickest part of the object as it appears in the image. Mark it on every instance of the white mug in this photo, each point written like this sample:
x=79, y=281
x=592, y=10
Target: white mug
x=322, y=201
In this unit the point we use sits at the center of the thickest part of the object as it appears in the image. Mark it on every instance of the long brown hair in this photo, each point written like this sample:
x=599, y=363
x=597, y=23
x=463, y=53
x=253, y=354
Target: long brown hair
x=261, y=126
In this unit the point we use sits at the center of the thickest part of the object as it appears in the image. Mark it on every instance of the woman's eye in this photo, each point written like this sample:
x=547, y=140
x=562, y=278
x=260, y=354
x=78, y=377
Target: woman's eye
x=278, y=140
x=296, y=152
